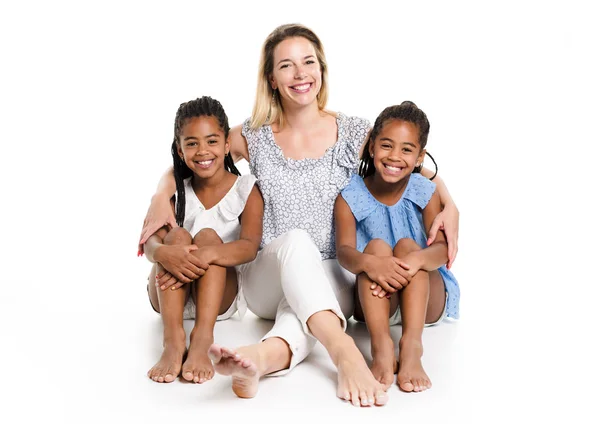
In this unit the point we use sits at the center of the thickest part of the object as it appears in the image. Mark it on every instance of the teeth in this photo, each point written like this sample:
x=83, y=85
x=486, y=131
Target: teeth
x=204, y=162
x=392, y=168
x=301, y=87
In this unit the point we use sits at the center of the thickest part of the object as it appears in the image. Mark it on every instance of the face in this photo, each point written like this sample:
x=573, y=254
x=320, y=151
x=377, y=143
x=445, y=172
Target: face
x=203, y=146
x=296, y=72
x=396, y=150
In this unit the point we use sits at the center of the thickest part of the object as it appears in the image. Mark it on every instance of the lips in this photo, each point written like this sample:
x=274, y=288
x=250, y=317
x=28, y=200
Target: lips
x=393, y=170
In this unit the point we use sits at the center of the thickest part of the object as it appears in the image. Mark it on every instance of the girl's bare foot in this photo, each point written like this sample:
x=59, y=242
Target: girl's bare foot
x=355, y=381
x=198, y=367
x=384, y=361
x=168, y=367
x=243, y=371
x=411, y=375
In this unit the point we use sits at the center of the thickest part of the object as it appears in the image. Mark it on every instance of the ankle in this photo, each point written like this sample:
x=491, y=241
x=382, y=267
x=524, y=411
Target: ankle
x=205, y=334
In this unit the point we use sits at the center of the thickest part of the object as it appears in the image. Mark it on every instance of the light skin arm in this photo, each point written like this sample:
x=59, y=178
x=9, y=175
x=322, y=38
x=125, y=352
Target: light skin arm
x=436, y=254
x=159, y=213
x=446, y=219
x=385, y=271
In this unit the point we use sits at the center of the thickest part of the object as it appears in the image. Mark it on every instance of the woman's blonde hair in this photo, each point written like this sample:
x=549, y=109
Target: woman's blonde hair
x=267, y=104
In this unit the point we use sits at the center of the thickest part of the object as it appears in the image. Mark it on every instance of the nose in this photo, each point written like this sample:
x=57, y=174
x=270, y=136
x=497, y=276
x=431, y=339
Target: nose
x=300, y=73
x=202, y=149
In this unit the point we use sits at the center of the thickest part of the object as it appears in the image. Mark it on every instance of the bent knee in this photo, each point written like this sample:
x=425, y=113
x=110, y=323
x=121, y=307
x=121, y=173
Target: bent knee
x=178, y=235
x=298, y=237
x=406, y=245
x=378, y=247
x=207, y=236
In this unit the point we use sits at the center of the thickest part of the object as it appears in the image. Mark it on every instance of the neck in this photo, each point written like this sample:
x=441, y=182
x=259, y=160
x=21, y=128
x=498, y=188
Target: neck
x=208, y=183
x=379, y=187
x=301, y=117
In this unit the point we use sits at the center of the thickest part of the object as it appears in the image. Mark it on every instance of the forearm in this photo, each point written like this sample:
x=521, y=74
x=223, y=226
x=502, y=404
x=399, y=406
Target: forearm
x=432, y=257
x=234, y=253
x=353, y=260
x=151, y=246
x=166, y=186
x=445, y=197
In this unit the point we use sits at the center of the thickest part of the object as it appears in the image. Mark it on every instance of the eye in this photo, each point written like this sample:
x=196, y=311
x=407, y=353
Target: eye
x=191, y=144
x=386, y=146
x=310, y=62
x=285, y=65
x=407, y=150
x=213, y=142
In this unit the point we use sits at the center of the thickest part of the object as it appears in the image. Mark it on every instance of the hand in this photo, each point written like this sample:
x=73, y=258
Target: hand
x=379, y=292
x=387, y=272
x=447, y=221
x=180, y=262
x=410, y=263
x=164, y=279
x=160, y=214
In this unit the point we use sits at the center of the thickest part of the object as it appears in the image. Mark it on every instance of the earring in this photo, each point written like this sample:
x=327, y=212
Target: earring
x=273, y=97
x=371, y=154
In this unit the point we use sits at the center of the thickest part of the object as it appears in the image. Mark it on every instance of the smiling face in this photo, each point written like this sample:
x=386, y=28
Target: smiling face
x=396, y=150
x=203, y=146
x=296, y=72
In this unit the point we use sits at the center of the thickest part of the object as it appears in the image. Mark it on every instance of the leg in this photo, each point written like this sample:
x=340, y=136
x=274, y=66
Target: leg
x=416, y=304
x=376, y=312
x=170, y=303
x=213, y=293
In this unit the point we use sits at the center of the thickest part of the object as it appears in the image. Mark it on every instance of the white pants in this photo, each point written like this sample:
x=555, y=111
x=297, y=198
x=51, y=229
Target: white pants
x=289, y=282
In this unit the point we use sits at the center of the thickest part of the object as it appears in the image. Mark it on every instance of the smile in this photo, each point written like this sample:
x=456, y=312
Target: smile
x=204, y=163
x=393, y=169
x=301, y=88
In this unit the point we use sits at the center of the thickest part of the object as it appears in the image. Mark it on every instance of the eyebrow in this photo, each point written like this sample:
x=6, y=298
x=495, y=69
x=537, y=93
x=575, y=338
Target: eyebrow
x=196, y=138
x=290, y=60
x=404, y=142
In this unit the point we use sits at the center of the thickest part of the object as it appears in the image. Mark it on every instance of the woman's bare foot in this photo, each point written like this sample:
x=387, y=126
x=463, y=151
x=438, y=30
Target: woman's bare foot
x=384, y=361
x=355, y=381
x=411, y=375
x=243, y=371
x=168, y=367
x=197, y=367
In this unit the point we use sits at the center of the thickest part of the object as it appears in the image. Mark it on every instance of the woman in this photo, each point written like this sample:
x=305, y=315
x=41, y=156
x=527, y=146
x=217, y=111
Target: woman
x=302, y=156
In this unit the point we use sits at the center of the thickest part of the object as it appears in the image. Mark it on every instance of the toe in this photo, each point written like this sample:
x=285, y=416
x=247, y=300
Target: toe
x=381, y=398
x=214, y=353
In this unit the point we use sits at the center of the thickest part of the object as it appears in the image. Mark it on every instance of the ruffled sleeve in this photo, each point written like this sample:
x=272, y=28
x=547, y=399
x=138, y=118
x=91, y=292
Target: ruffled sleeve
x=233, y=204
x=360, y=202
x=419, y=190
x=352, y=134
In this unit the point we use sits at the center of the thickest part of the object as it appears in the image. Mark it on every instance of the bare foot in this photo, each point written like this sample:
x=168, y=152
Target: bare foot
x=411, y=375
x=168, y=367
x=384, y=362
x=198, y=367
x=243, y=372
x=355, y=381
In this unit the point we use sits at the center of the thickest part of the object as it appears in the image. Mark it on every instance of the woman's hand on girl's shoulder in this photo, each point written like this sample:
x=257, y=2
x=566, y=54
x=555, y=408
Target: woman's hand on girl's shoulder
x=446, y=221
x=160, y=214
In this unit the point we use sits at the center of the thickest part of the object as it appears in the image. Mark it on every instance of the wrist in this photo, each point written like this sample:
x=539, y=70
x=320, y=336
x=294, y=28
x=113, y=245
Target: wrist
x=160, y=196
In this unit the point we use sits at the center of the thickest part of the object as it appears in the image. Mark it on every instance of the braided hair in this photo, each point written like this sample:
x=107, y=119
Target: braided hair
x=204, y=106
x=406, y=111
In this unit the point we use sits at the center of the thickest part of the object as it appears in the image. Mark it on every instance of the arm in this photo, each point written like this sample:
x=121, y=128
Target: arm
x=238, y=147
x=436, y=254
x=245, y=248
x=160, y=213
x=385, y=271
x=446, y=220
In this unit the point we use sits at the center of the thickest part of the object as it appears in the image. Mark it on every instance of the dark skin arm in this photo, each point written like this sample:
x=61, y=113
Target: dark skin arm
x=385, y=271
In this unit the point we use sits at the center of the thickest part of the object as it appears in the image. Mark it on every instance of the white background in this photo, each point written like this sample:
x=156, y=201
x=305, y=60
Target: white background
x=88, y=94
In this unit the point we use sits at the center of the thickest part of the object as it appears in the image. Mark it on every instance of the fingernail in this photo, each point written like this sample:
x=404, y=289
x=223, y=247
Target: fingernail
x=156, y=284
x=163, y=287
x=173, y=288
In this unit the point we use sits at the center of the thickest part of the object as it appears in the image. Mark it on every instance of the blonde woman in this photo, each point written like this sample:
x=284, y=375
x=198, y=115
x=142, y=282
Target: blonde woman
x=302, y=156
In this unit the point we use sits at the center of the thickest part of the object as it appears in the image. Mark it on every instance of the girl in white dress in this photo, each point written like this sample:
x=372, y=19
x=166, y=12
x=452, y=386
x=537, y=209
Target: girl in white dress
x=219, y=214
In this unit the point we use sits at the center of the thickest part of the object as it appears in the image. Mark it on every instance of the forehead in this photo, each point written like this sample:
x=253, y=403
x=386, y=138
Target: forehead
x=294, y=47
x=200, y=125
x=400, y=131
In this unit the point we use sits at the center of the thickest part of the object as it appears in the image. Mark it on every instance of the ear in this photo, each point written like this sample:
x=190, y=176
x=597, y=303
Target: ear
x=179, y=151
x=371, y=146
x=421, y=157
x=272, y=82
x=227, y=145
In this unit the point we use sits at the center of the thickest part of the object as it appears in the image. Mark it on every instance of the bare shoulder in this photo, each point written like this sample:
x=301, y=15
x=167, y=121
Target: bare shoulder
x=238, y=147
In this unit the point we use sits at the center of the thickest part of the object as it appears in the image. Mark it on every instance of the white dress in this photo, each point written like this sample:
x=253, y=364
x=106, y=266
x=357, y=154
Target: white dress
x=224, y=219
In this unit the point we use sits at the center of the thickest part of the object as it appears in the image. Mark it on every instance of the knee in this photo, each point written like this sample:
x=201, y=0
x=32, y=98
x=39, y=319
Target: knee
x=378, y=247
x=405, y=246
x=296, y=243
x=178, y=235
x=207, y=237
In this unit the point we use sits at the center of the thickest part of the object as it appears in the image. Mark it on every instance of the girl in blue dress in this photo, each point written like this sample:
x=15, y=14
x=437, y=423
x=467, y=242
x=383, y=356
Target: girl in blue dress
x=381, y=221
